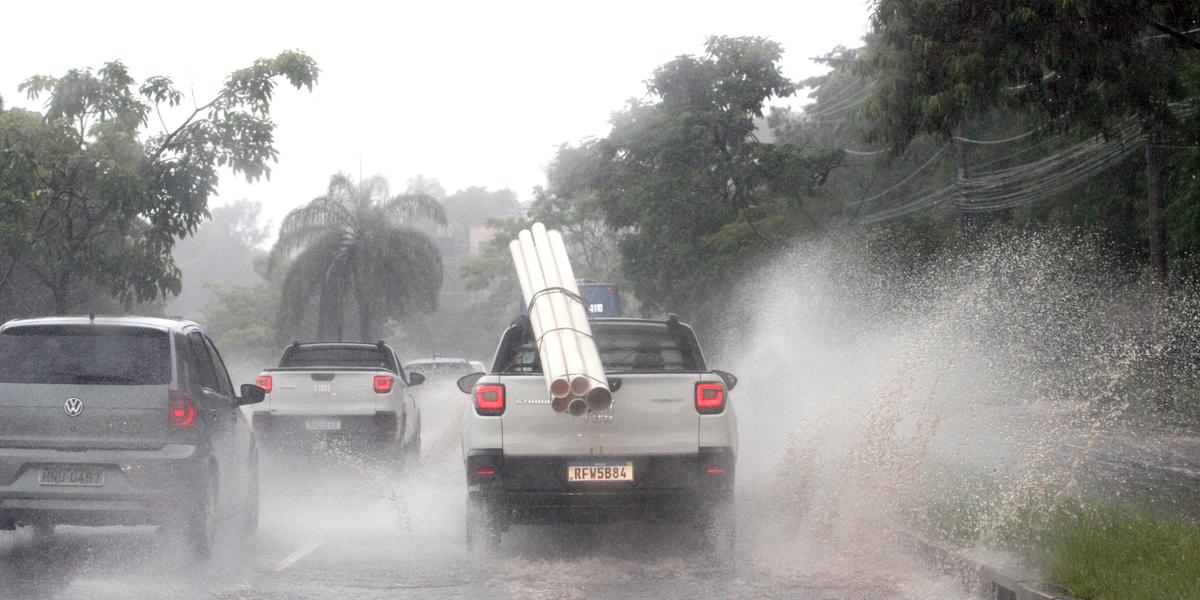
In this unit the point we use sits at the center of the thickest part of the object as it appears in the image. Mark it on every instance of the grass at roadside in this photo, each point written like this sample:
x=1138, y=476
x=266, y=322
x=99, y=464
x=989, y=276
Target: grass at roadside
x=1095, y=551
x=1121, y=553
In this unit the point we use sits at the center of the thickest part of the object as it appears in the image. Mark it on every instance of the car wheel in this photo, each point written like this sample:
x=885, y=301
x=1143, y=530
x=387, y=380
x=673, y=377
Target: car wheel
x=483, y=531
x=43, y=533
x=201, y=528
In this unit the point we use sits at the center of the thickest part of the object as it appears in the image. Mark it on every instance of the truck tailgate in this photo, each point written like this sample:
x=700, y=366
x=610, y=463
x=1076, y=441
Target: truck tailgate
x=309, y=391
x=652, y=414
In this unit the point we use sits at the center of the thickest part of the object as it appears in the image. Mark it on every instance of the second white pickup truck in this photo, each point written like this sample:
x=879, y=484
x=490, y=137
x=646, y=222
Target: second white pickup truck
x=357, y=392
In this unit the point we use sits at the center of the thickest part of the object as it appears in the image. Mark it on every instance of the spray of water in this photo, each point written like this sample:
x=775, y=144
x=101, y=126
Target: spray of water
x=880, y=386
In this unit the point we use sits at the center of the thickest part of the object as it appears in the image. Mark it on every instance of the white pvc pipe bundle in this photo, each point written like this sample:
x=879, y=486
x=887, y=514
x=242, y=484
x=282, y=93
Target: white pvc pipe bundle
x=570, y=361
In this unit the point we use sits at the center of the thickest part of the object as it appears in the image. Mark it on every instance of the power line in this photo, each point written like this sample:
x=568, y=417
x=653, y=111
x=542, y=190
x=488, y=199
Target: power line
x=1036, y=180
x=1003, y=141
x=911, y=206
x=838, y=94
x=1017, y=153
x=864, y=152
x=906, y=179
x=842, y=105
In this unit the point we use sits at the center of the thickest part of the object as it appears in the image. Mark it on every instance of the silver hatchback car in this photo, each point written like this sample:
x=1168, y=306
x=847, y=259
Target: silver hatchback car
x=123, y=421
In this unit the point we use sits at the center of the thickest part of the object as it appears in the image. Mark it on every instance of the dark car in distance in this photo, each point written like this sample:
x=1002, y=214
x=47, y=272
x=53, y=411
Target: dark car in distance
x=123, y=421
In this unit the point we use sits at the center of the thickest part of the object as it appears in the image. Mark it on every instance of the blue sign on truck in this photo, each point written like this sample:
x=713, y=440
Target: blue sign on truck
x=602, y=299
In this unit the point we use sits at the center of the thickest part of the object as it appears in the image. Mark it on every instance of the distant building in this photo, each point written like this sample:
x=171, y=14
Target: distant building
x=477, y=235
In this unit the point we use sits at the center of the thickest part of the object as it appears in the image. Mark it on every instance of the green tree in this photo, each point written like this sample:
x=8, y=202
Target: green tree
x=690, y=190
x=1089, y=65
x=360, y=244
x=86, y=197
x=564, y=204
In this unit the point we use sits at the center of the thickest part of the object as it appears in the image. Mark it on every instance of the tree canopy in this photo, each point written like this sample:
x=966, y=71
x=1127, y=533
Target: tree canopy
x=86, y=196
x=1121, y=70
x=685, y=183
x=358, y=245
x=1083, y=63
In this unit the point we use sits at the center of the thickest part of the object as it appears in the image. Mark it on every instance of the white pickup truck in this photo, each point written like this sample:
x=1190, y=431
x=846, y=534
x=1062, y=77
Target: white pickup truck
x=666, y=449
x=356, y=392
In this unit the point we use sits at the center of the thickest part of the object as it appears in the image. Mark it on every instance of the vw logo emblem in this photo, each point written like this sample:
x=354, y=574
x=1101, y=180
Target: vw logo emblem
x=73, y=407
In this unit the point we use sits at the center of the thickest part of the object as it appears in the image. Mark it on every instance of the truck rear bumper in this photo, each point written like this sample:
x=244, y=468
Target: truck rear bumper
x=525, y=489
x=380, y=426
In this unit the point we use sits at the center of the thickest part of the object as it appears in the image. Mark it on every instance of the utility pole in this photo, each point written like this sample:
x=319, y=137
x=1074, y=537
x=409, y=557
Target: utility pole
x=1155, y=207
x=960, y=160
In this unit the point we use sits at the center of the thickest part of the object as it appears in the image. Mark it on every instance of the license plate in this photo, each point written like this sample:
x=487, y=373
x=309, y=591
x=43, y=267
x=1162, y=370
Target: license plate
x=79, y=475
x=323, y=424
x=608, y=471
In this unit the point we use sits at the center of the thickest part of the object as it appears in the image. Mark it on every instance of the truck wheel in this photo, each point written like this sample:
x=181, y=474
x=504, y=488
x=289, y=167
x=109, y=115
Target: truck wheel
x=411, y=451
x=720, y=529
x=251, y=506
x=483, y=528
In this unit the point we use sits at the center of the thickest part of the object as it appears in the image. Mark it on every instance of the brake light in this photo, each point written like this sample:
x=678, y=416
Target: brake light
x=485, y=472
x=489, y=400
x=182, y=410
x=710, y=398
x=265, y=382
x=384, y=383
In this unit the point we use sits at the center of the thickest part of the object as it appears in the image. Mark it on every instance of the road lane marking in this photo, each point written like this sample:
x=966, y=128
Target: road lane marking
x=296, y=556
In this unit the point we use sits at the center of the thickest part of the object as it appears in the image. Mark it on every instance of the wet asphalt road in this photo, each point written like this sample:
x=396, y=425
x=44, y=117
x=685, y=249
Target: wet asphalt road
x=338, y=525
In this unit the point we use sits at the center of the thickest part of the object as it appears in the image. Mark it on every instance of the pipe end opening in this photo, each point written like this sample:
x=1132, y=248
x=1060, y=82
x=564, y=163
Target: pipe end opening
x=600, y=398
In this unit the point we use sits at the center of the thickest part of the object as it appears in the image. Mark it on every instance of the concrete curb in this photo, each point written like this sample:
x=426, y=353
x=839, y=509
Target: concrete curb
x=989, y=581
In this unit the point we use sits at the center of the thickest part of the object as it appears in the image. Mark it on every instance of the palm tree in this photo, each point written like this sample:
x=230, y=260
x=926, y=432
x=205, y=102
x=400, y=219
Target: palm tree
x=358, y=243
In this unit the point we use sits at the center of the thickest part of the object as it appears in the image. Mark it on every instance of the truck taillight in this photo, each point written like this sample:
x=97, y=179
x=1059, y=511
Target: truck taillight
x=489, y=400
x=265, y=382
x=182, y=410
x=384, y=383
x=710, y=398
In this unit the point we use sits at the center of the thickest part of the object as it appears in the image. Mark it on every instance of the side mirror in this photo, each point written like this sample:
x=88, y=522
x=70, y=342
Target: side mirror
x=466, y=383
x=729, y=378
x=415, y=379
x=251, y=394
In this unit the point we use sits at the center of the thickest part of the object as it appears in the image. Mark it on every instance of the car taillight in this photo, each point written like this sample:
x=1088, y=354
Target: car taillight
x=710, y=398
x=384, y=383
x=182, y=410
x=489, y=400
x=265, y=382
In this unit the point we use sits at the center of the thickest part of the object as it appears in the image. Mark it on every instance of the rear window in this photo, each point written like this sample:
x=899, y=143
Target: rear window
x=624, y=349
x=85, y=354
x=370, y=357
x=440, y=369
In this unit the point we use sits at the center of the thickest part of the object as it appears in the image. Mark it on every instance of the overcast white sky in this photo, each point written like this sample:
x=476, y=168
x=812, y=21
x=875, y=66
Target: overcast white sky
x=471, y=93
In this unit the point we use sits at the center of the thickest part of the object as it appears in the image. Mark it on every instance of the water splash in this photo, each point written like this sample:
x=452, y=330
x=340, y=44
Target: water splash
x=994, y=379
